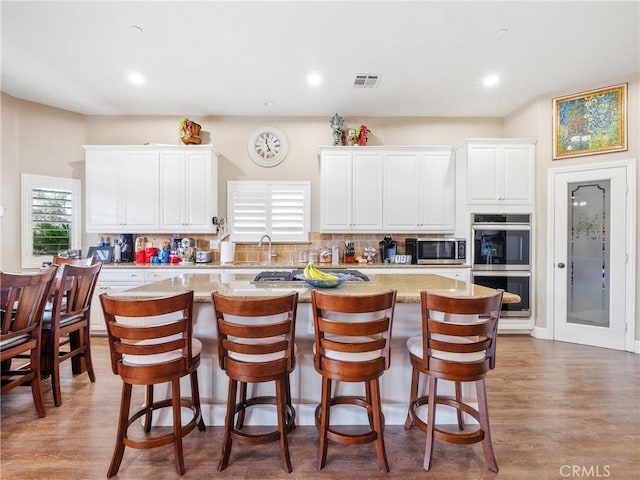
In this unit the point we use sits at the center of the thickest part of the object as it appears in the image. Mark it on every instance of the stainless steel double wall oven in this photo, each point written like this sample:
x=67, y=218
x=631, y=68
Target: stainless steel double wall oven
x=501, y=256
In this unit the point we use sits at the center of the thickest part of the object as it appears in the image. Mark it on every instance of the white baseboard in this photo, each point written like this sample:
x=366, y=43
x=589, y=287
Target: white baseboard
x=543, y=333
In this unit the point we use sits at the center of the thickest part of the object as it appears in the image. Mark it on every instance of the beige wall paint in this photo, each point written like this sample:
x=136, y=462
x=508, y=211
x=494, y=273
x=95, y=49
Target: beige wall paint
x=35, y=139
x=536, y=120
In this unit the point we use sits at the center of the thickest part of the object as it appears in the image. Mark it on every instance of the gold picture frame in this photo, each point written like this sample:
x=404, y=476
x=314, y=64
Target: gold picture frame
x=590, y=123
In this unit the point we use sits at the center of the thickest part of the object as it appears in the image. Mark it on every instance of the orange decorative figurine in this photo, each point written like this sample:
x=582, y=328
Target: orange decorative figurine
x=363, y=135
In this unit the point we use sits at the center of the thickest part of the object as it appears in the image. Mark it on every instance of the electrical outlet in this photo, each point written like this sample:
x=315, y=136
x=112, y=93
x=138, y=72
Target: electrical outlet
x=214, y=244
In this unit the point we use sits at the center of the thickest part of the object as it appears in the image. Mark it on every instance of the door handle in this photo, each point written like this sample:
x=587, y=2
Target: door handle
x=561, y=265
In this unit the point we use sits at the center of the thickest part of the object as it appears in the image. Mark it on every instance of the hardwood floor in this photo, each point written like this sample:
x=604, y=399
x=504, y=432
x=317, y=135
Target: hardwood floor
x=558, y=411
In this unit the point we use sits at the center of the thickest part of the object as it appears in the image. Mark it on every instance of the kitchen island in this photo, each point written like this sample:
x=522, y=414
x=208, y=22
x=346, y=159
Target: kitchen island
x=305, y=382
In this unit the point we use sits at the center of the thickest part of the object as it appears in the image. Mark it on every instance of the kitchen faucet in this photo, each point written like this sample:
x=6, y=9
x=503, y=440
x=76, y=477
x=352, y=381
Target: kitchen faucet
x=270, y=254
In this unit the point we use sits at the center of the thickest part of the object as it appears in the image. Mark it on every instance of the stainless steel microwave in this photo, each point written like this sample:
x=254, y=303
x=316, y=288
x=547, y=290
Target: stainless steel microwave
x=436, y=251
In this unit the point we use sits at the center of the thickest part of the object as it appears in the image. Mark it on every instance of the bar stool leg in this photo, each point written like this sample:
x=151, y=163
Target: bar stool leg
x=487, y=444
x=242, y=401
x=431, y=418
x=459, y=411
x=123, y=424
x=413, y=395
x=325, y=409
x=281, y=397
x=177, y=426
x=195, y=395
x=378, y=423
x=228, y=423
x=148, y=418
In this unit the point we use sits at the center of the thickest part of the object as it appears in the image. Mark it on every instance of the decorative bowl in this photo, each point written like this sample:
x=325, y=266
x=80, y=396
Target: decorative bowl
x=326, y=283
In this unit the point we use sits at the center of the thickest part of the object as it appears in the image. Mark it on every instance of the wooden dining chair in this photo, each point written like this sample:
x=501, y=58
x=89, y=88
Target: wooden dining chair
x=459, y=353
x=75, y=261
x=66, y=327
x=149, y=355
x=352, y=344
x=256, y=344
x=22, y=302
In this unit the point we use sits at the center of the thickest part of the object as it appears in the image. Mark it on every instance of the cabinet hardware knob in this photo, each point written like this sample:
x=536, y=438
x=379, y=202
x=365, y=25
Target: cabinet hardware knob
x=561, y=265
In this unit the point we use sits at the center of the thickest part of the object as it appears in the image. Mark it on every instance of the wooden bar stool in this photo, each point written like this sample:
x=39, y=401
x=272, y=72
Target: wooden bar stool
x=458, y=352
x=150, y=355
x=256, y=343
x=352, y=344
x=22, y=301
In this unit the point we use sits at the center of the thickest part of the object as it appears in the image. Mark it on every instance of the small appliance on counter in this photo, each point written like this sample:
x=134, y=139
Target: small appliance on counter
x=204, y=256
x=187, y=250
x=388, y=249
x=436, y=251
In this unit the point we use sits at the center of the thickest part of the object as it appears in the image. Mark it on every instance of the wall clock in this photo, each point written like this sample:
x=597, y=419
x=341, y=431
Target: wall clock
x=267, y=146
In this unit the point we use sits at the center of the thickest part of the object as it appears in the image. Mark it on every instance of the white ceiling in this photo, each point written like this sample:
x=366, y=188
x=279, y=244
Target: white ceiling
x=229, y=58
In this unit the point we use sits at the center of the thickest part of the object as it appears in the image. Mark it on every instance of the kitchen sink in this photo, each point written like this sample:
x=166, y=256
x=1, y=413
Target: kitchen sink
x=297, y=275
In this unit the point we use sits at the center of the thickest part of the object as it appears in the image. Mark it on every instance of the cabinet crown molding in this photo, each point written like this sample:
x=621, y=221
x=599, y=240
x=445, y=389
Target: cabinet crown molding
x=385, y=148
x=150, y=147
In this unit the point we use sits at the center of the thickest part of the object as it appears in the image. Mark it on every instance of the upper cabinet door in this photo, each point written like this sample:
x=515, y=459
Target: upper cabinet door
x=121, y=191
x=419, y=191
x=500, y=173
x=367, y=188
x=351, y=191
x=188, y=199
x=336, y=190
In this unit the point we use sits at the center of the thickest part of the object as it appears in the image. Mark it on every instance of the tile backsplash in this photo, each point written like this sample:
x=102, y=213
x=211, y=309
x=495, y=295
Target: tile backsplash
x=286, y=252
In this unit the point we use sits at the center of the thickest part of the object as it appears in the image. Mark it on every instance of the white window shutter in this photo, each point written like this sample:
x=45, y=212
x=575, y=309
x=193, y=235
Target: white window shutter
x=278, y=209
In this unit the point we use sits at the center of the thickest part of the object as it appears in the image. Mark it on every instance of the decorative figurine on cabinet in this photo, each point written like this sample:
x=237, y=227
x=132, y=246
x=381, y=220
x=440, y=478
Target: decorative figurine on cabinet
x=190, y=132
x=362, y=135
x=336, y=125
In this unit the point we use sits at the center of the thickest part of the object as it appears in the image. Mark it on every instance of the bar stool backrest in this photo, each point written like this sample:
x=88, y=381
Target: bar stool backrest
x=147, y=343
x=256, y=330
x=352, y=334
x=460, y=351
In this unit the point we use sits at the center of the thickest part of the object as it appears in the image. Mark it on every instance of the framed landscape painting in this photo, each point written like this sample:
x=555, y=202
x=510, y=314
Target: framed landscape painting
x=590, y=122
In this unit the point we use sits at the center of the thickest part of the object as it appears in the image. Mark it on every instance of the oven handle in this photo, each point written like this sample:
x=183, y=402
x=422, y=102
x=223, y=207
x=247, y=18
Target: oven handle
x=500, y=273
x=501, y=226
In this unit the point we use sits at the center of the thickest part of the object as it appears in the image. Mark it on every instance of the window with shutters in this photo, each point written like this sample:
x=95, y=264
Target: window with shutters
x=50, y=217
x=279, y=209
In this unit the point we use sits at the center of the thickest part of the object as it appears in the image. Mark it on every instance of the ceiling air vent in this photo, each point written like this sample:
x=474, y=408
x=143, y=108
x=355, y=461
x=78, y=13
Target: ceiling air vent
x=366, y=81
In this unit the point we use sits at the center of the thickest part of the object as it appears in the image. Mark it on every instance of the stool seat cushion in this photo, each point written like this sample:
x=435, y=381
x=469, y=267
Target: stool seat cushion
x=267, y=357
x=414, y=345
x=196, y=348
x=348, y=356
x=8, y=343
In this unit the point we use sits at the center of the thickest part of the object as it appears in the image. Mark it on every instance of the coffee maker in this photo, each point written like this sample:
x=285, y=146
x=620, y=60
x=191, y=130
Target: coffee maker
x=388, y=249
x=126, y=248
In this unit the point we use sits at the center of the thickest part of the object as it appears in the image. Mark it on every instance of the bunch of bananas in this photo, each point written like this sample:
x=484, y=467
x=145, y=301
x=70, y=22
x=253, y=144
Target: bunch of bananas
x=311, y=272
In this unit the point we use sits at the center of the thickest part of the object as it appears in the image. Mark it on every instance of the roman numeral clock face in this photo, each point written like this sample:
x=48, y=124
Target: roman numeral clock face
x=267, y=146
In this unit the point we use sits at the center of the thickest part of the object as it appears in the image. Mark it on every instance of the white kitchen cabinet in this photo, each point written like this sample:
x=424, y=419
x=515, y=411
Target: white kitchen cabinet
x=121, y=190
x=151, y=189
x=500, y=171
x=111, y=281
x=351, y=190
x=419, y=191
x=188, y=190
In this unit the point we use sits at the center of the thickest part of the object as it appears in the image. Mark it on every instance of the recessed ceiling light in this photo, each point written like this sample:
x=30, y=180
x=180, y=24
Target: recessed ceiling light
x=491, y=80
x=502, y=32
x=314, y=79
x=268, y=103
x=137, y=28
x=135, y=78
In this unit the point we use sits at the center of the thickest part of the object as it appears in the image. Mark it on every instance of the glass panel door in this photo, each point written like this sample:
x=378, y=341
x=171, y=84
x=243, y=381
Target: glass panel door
x=588, y=282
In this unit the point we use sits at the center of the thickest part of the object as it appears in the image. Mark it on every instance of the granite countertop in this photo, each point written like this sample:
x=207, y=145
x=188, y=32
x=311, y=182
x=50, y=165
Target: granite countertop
x=408, y=287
